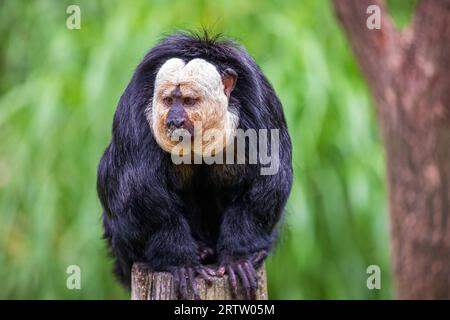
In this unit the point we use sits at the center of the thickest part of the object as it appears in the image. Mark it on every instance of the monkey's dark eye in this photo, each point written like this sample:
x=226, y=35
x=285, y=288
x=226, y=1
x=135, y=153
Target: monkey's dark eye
x=168, y=101
x=188, y=101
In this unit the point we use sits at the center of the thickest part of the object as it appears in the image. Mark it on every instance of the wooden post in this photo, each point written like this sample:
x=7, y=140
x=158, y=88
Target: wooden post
x=148, y=285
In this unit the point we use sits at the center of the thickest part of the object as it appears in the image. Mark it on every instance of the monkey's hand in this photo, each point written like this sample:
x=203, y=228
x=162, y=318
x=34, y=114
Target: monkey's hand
x=185, y=279
x=245, y=269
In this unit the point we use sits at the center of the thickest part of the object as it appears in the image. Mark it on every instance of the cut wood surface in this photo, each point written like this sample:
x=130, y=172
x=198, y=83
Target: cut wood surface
x=148, y=285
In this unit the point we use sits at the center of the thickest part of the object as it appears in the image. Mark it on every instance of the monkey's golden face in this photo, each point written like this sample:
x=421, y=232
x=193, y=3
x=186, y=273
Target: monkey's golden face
x=192, y=96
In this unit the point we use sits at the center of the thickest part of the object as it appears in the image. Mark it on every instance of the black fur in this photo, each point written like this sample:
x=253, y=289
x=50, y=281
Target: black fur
x=153, y=215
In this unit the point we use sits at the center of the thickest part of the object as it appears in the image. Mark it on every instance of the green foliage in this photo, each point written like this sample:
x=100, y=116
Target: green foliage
x=58, y=92
x=401, y=11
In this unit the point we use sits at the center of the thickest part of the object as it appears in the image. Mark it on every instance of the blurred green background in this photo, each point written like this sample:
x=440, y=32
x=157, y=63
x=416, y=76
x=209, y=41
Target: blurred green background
x=58, y=92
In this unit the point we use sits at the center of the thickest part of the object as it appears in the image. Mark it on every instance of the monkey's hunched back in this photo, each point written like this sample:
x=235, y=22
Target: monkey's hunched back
x=180, y=217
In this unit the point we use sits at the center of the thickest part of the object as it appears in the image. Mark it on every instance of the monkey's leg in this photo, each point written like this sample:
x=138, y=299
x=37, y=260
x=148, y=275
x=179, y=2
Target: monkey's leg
x=248, y=231
x=173, y=249
x=242, y=248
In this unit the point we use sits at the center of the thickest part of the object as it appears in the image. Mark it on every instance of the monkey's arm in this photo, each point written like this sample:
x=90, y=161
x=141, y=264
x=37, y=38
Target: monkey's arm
x=248, y=229
x=144, y=222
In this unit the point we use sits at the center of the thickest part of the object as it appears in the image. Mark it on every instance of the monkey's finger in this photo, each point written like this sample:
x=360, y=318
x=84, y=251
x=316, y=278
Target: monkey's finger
x=193, y=283
x=258, y=257
x=251, y=274
x=252, y=278
x=233, y=281
x=245, y=281
x=220, y=271
x=206, y=276
x=183, y=283
x=210, y=271
x=202, y=272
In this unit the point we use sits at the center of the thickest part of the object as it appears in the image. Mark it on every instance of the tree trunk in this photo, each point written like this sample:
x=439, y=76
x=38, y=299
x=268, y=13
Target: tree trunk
x=408, y=73
x=147, y=285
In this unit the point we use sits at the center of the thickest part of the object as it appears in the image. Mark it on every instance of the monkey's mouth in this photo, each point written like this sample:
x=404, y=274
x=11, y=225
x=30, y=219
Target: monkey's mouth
x=180, y=134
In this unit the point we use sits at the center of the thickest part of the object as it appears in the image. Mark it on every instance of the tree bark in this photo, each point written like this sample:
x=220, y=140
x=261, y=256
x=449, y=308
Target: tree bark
x=408, y=73
x=148, y=285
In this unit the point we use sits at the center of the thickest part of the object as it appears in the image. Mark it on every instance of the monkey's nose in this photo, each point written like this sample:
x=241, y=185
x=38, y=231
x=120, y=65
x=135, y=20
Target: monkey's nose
x=175, y=123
